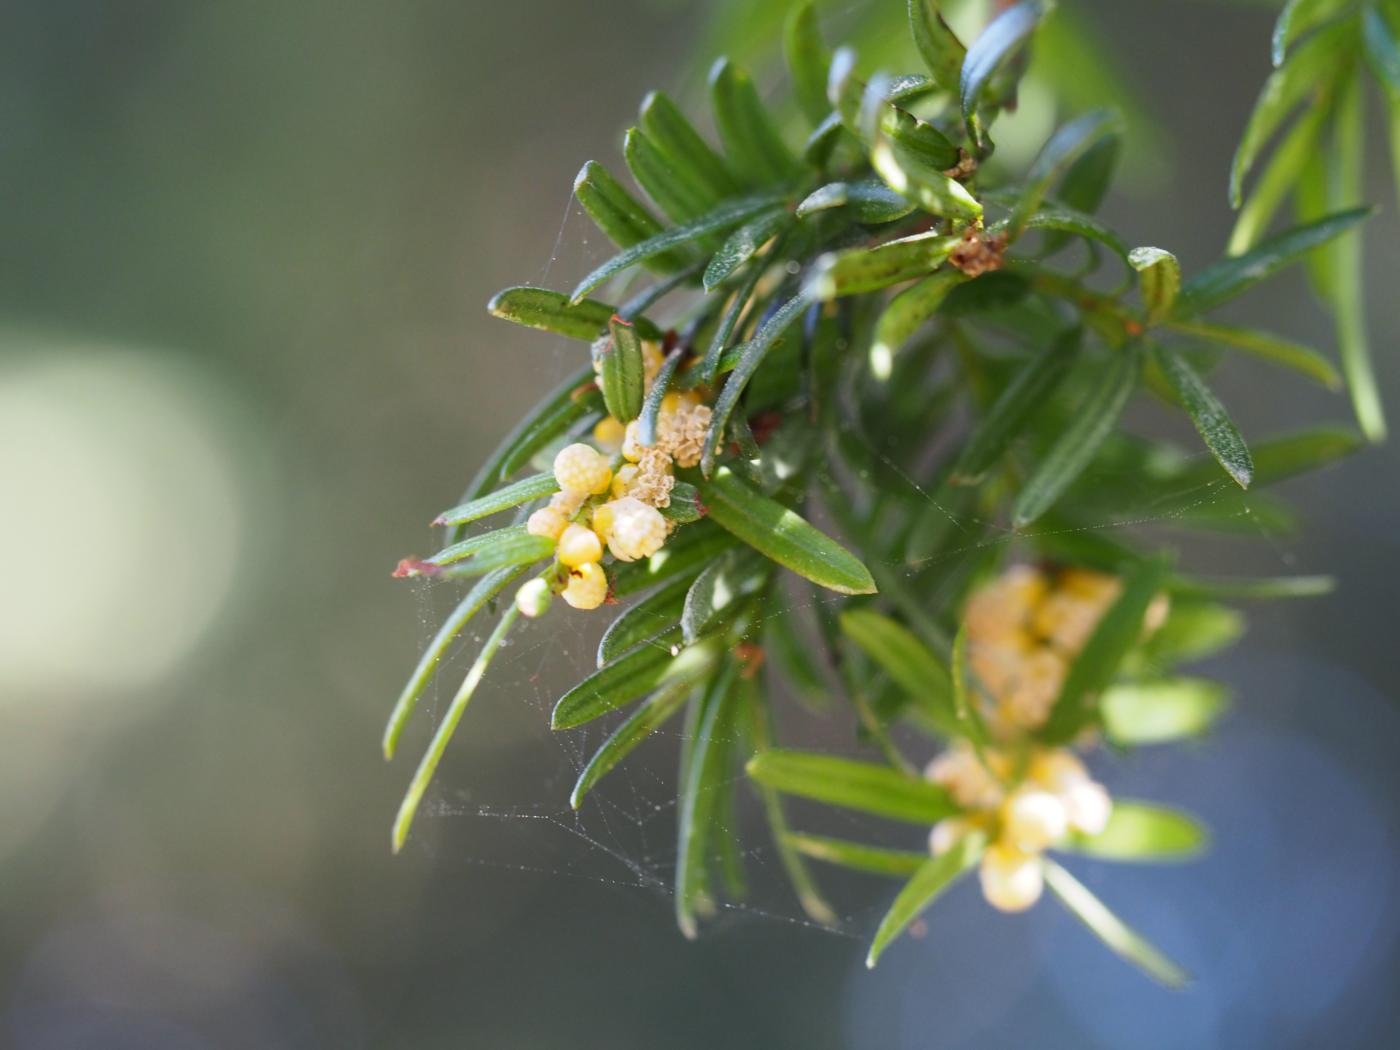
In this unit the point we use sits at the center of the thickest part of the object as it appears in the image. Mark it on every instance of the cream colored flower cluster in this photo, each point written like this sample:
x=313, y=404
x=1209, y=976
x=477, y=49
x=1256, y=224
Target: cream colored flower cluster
x=1025, y=628
x=1023, y=812
x=628, y=522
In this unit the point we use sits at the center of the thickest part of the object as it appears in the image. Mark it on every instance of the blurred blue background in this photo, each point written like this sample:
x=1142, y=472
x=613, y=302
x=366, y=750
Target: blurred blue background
x=244, y=254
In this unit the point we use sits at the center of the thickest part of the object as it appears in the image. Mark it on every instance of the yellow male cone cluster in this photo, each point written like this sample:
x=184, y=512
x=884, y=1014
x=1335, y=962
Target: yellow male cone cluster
x=628, y=523
x=1025, y=628
x=1053, y=797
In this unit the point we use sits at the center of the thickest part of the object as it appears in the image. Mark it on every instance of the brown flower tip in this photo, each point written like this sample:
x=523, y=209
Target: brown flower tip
x=409, y=568
x=977, y=253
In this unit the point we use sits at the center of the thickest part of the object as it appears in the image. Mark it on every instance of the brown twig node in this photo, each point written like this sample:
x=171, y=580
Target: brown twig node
x=978, y=253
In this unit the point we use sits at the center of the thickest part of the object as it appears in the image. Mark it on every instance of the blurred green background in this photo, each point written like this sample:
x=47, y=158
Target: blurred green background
x=244, y=254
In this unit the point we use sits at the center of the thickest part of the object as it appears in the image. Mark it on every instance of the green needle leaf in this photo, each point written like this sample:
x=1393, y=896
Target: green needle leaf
x=753, y=353
x=702, y=787
x=1088, y=178
x=905, y=313
x=782, y=535
x=998, y=42
x=677, y=138
x=621, y=371
x=803, y=884
x=1253, y=586
x=1211, y=420
x=909, y=663
x=870, y=269
x=429, y=763
x=639, y=725
x=750, y=138
x=522, y=491
x=1093, y=421
x=552, y=312
x=1115, y=933
x=1283, y=457
x=655, y=614
x=1194, y=630
x=808, y=61
x=1345, y=291
x=919, y=141
x=1066, y=220
x=1306, y=71
x=927, y=884
x=911, y=157
x=870, y=200
x=969, y=715
x=866, y=786
x=1223, y=280
x=743, y=244
x=822, y=142
x=938, y=46
x=725, y=217
x=1382, y=44
x=1296, y=19
x=474, y=545
x=1096, y=665
x=1065, y=147
x=1280, y=175
x=651, y=406
x=1268, y=347
x=1031, y=387
x=1142, y=831
x=719, y=590
x=477, y=598
x=1159, y=276
x=855, y=855
x=667, y=181
x=1158, y=712
x=633, y=674
x=624, y=220
x=504, y=552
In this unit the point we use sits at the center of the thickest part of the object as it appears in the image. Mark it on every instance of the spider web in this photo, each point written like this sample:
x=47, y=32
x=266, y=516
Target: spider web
x=624, y=834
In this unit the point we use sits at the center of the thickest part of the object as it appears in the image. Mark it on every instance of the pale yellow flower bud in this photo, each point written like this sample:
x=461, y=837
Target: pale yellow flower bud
x=1088, y=807
x=603, y=520
x=1011, y=880
x=1056, y=770
x=587, y=587
x=533, y=598
x=567, y=502
x=945, y=834
x=637, y=531
x=1033, y=819
x=608, y=434
x=962, y=773
x=624, y=479
x=581, y=468
x=578, y=545
x=546, y=522
x=631, y=447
